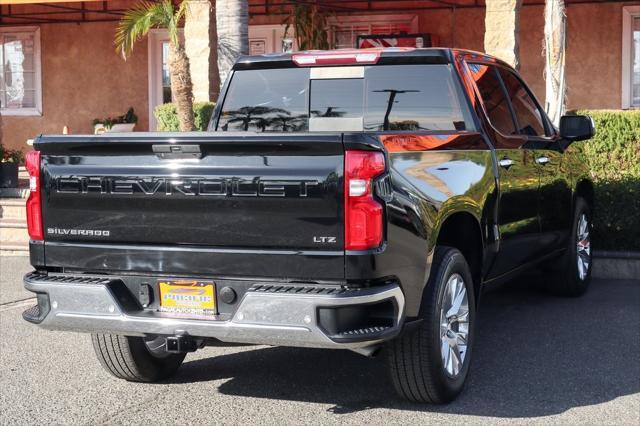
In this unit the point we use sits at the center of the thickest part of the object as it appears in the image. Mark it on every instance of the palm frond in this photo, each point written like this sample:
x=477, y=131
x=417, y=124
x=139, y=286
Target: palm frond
x=138, y=21
x=175, y=22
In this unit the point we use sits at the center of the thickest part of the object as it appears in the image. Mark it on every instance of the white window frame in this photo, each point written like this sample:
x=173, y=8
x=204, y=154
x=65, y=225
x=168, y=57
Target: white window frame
x=272, y=35
x=154, y=45
x=37, y=110
x=628, y=13
x=374, y=18
x=156, y=37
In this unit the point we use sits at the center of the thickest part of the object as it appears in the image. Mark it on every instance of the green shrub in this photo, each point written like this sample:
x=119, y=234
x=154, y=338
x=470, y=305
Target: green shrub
x=128, y=117
x=613, y=156
x=167, y=116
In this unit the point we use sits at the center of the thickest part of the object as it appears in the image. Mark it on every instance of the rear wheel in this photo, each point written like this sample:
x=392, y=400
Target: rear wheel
x=430, y=362
x=137, y=359
x=574, y=268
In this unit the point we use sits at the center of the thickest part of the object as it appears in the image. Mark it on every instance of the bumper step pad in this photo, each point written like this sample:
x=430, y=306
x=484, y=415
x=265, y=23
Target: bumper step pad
x=32, y=314
x=37, y=277
x=365, y=331
x=303, y=289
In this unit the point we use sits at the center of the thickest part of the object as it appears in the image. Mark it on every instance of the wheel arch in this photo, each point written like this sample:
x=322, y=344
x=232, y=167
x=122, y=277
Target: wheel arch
x=585, y=189
x=462, y=230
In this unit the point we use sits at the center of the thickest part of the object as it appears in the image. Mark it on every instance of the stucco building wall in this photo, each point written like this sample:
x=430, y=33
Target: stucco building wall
x=82, y=78
x=594, y=46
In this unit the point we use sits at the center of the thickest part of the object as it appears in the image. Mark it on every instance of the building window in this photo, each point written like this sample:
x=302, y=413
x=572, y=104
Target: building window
x=20, y=74
x=631, y=57
x=345, y=30
x=166, y=77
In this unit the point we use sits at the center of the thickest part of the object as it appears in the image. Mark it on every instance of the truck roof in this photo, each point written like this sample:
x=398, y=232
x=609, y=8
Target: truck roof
x=381, y=56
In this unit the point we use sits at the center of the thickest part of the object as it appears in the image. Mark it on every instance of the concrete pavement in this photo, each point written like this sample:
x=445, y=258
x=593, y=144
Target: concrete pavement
x=12, y=269
x=538, y=359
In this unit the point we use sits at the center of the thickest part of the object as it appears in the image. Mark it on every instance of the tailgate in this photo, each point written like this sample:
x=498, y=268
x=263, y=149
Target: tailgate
x=232, y=191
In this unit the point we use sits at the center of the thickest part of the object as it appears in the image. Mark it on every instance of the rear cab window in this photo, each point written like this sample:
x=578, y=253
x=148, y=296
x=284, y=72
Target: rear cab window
x=378, y=98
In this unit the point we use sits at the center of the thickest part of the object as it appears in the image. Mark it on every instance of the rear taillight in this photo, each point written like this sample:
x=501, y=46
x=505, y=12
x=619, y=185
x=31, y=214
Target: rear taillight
x=363, y=213
x=34, y=205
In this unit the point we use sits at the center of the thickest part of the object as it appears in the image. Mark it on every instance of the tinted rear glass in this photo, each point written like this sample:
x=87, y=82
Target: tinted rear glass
x=388, y=98
x=274, y=100
x=337, y=98
x=413, y=97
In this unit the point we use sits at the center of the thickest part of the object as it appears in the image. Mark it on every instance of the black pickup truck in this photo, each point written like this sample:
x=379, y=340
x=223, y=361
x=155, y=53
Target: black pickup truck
x=355, y=200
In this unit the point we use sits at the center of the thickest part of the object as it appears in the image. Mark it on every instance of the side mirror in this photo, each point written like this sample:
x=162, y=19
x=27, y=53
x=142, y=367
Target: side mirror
x=577, y=127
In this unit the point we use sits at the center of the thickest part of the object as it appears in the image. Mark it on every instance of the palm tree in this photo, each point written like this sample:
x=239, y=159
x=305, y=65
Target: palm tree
x=233, y=33
x=285, y=122
x=136, y=23
x=309, y=22
x=250, y=114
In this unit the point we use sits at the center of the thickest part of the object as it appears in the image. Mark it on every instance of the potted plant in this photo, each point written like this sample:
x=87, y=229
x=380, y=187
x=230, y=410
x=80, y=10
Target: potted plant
x=10, y=160
x=123, y=123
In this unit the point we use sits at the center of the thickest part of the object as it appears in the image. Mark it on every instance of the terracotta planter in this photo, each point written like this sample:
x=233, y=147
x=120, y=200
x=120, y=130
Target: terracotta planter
x=8, y=175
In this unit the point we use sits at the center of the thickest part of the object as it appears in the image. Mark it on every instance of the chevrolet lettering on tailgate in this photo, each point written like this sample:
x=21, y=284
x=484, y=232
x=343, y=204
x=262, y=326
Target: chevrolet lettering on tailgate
x=224, y=187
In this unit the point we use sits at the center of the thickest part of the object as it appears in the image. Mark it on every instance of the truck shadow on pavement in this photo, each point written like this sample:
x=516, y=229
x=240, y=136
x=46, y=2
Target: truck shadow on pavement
x=535, y=355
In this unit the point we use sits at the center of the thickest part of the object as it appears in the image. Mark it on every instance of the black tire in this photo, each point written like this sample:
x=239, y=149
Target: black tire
x=414, y=358
x=129, y=358
x=568, y=280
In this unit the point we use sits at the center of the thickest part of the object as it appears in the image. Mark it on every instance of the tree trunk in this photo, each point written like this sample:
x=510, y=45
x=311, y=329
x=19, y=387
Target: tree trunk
x=233, y=33
x=555, y=26
x=502, y=30
x=181, y=87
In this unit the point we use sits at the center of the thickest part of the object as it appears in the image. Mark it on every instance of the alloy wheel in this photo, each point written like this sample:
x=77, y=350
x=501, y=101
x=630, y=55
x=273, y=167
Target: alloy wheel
x=583, y=247
x=454, y=325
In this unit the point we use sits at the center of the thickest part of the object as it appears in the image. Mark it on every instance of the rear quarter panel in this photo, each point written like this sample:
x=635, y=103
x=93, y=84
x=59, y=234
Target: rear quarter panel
x=432, y=177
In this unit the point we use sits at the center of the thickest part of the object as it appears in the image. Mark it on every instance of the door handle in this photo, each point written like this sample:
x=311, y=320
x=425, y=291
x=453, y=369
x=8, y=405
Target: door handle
x=506, y=163
x=542, y=160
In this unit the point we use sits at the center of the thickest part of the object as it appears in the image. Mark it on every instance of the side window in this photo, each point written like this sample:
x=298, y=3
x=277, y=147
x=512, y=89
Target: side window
x=528, y=114
x=493, y=97
x=414, y=97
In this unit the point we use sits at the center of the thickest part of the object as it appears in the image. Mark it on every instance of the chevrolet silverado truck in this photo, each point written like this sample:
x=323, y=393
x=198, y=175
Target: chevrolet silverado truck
x=357, y=200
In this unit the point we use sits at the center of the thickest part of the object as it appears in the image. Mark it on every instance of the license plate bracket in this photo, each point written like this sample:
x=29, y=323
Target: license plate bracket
x=188, y=296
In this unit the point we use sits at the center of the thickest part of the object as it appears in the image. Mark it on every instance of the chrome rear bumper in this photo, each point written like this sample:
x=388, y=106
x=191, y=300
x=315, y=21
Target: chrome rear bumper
x=89, y=304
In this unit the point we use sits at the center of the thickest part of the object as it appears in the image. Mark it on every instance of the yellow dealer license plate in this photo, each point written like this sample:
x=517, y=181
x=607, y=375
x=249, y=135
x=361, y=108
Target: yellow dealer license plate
x=188, y=296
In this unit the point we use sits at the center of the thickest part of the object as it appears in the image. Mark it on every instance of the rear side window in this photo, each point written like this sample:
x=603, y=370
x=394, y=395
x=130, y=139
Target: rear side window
x=414, y=97
x=493, y=97
x=376, y=98
x=527, y=112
